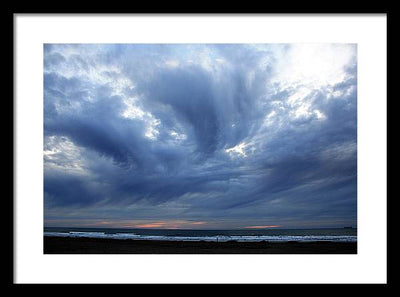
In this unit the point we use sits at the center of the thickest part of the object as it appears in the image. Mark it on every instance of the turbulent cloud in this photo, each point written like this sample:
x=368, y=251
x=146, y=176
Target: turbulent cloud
x=229, y=135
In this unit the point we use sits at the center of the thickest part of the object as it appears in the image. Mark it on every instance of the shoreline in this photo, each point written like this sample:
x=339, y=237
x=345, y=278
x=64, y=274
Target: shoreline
x=74, y=245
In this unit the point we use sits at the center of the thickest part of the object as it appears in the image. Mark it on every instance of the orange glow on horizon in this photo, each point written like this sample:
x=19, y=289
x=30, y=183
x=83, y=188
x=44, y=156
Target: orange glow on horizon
x=168, y=225
x=94, y=223
x=262, y=227
x=151, y=225
x=198, y=223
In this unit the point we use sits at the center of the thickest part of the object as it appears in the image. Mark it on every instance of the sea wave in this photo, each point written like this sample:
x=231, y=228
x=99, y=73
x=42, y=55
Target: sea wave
x=217, y=238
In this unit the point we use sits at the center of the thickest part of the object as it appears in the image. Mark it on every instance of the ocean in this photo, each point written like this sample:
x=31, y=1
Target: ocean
x=323, y=234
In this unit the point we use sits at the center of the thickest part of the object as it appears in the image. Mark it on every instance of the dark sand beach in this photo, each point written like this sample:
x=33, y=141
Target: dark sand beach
x=68, y=245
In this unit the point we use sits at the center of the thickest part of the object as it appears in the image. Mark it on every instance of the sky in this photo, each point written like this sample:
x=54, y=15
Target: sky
x=200, y=136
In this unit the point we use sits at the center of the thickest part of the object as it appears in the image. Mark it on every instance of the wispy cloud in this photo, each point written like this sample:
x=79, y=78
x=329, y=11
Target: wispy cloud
x=235, y=135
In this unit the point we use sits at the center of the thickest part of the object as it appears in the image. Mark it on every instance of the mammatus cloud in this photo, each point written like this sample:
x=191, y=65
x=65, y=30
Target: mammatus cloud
x=200, y=136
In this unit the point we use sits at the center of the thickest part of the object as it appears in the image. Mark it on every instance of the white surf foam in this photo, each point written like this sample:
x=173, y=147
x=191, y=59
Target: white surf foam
x=218, y=238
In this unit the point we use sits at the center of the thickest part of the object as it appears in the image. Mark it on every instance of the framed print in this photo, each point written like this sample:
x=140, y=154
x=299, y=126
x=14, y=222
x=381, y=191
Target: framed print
x=200, y=148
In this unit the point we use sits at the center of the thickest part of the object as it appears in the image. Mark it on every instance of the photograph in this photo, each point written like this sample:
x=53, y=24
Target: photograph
x=200, y=148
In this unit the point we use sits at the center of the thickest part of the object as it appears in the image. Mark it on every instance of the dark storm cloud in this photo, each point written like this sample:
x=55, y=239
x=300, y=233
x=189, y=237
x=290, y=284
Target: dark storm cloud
x=196, y=132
